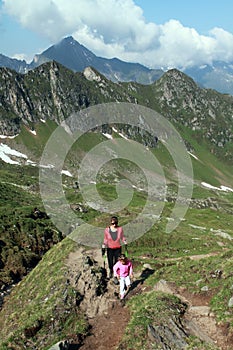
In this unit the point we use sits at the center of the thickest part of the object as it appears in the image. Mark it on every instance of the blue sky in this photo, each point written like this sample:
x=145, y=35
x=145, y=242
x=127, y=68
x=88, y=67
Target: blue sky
x=202, y=15
x=155, y=33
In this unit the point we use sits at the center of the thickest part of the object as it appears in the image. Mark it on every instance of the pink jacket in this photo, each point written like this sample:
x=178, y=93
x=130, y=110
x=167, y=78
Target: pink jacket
x=123, y=270
x=109, y=242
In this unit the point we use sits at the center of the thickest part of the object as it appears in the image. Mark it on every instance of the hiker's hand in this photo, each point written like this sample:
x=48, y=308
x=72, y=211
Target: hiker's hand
x=103, y=250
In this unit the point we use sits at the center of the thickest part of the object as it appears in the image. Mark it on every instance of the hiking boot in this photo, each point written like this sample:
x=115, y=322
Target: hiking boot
x=110, y=274
x=122, y=302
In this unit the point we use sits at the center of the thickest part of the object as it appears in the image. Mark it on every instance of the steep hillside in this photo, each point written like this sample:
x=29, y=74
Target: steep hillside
x=52, y=92
x=53, y=289
x=26, y=230
x=60, y=300
x=206, y=113
x=49, y=92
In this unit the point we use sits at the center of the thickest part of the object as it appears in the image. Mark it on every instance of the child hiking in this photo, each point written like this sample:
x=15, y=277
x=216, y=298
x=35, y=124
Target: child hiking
x=123, y=270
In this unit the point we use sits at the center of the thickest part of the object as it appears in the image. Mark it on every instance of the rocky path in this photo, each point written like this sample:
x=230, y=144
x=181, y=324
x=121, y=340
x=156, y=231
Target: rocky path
x=109, y=320
x=107, y=329
x=199, y=319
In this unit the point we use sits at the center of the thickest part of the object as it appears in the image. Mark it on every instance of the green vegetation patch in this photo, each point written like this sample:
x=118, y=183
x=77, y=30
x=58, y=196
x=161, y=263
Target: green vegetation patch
x=42, y=307
x=207, y=275
x=154, y=309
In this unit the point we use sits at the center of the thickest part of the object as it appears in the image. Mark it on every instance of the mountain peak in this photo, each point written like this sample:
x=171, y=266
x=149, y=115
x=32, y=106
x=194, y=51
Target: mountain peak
x=76, y=57
x=68, y=52
x=68, y=40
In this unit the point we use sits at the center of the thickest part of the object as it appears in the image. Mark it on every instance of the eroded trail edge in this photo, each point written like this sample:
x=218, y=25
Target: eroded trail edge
x=108, y=318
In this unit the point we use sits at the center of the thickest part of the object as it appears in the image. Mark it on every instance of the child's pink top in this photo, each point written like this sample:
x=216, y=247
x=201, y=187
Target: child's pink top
x=123, y=270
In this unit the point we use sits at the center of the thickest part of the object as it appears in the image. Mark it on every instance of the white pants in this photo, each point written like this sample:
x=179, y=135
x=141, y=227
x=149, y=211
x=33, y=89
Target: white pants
x=124, y=281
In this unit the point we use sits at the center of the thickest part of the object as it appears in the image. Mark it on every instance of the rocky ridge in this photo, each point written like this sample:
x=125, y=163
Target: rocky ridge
x=52, y=92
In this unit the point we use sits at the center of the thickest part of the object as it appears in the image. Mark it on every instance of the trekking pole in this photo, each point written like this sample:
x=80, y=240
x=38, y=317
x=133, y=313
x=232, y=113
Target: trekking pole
x=126, y=250
x=105, y=255
x=103, y=251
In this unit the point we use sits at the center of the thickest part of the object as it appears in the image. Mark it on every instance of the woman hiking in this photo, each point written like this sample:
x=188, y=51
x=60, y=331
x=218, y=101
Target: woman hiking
x=113, y=236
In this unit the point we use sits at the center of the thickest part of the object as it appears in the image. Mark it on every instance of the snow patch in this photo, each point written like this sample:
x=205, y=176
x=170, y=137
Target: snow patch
x=109, y=136
x=198, y=227
x=31, y=162
x=48, y=166
x=221, y=188
x=203, y=66
x=119, y=133
x=221, y=234
x=7, y=137
x=67, y=173
x=5, y=151
x=193, y=155
x=224, y=188
x=123, y=136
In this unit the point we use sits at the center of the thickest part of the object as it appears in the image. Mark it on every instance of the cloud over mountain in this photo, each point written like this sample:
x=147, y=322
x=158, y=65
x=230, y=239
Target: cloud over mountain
x=117, y=28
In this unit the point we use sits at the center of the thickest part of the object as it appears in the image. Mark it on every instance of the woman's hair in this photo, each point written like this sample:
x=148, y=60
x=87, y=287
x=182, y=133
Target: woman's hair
x=115, y=219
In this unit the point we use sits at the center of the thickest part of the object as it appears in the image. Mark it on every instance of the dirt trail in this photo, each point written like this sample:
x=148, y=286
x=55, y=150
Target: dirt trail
x=108, y=327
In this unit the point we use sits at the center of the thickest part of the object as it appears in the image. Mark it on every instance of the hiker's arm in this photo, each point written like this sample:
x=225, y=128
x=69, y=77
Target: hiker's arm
x=115, y=269
x=123, y=238
x=131, y=270
x=105, y=242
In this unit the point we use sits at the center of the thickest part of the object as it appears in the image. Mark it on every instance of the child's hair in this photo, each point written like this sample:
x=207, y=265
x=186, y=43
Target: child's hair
x=122, y=257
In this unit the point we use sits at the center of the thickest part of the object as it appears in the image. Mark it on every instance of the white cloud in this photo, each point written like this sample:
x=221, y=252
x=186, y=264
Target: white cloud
x=117, y=28
x=20, y=56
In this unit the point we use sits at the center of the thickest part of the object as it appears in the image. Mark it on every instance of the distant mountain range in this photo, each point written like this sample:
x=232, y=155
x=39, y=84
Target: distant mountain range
x=72, y=55
x=53, y=92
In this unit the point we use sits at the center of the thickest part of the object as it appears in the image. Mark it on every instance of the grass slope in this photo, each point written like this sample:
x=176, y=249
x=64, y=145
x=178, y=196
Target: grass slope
x=36, y=301
x=42, y=307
